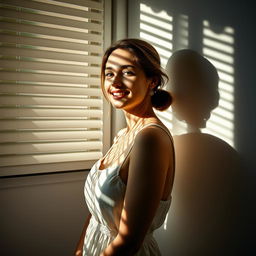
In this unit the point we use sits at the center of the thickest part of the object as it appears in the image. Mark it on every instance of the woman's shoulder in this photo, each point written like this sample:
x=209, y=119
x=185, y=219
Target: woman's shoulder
x=155, y=129
x=153, y=134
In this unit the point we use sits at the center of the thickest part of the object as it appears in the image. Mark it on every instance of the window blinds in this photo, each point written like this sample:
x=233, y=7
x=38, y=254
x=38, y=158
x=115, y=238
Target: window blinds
x=51, y=107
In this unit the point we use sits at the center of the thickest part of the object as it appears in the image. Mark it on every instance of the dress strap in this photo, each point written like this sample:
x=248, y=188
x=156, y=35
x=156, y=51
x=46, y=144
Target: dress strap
x=160, y=126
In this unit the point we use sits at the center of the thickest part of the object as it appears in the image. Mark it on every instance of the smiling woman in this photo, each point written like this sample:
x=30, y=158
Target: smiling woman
x=128, y=191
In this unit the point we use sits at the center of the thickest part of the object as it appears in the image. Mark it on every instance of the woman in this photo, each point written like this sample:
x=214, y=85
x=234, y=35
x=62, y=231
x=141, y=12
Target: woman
x=128, y=191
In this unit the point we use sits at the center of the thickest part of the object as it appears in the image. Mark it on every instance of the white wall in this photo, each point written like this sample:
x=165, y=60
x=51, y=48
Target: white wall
x=42, y=214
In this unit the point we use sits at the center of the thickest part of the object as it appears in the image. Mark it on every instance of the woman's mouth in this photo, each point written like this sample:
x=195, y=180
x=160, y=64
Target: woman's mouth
x=119, y=94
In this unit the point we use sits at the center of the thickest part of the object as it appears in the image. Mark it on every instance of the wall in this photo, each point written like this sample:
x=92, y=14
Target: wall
x=212, y=212
x=42, y=214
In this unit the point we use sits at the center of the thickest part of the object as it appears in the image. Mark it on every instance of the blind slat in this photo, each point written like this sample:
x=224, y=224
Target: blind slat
x=52, y=33
x=50, y=17
x=49, y=101
x=40, y=52
x=49, y=124
x=48, y=158
x=48, y=65
x=20, y=112
x=50, y=78
x=58, y=90
x=37, y=6
x=19, y=136
x=29, y=39
x=85, y=3
x=43, y=148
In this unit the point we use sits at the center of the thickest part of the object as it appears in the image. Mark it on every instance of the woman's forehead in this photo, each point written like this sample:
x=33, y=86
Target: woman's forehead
x=121, y=57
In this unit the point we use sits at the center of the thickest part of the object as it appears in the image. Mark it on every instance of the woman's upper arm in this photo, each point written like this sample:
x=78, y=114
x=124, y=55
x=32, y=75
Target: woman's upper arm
x=149, y=162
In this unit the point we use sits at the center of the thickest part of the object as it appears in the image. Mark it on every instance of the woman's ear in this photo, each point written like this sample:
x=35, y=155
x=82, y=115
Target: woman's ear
x=153, y=82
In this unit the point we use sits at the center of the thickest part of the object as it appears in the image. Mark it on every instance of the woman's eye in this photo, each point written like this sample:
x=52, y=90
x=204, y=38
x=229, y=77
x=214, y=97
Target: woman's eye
x=129, y=73
x=108, y=74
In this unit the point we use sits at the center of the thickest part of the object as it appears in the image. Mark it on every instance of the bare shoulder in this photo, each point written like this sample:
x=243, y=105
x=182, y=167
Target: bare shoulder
x=153, y=134
x=153, y=137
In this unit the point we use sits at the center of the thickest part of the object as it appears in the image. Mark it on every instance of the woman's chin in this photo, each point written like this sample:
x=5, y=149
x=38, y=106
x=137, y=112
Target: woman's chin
x=118, y=105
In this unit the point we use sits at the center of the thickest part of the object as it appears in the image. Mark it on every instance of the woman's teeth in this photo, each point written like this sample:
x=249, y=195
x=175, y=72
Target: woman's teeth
x=119, y=94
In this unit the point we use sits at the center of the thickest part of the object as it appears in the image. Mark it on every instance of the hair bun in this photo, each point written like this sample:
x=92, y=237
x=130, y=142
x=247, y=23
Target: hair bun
x=161, y=99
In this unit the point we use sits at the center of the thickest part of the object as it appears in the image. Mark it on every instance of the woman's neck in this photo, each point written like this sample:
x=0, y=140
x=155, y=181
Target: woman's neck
x=135, y=120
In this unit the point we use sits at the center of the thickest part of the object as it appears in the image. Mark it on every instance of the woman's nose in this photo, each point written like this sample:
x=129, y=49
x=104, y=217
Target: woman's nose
x=117, y=80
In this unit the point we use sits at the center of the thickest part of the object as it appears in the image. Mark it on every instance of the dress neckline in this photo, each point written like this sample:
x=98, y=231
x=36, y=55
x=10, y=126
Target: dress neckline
x=98, y=164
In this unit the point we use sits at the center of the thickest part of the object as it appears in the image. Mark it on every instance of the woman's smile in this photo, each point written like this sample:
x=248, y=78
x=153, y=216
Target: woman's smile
x=119, y=94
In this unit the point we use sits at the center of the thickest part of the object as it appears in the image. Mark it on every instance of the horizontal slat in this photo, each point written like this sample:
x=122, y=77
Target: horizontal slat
x=29, y=76
x=53, y=84
x=30, y=39
x=20, y=136
x=41, y=89
x=53, y=101
x=42, y=148
x=52, y=18
x=48, y=158
x=78, y=11
x=48, y=65
x=42, y=30
x=20, y=112
x=49, y=124
x=86, y=3
x=50, y=53
x=45, y=72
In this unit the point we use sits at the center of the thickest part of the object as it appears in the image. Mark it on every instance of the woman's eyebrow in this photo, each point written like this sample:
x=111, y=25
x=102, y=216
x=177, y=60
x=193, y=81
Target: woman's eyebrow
x=120, y=66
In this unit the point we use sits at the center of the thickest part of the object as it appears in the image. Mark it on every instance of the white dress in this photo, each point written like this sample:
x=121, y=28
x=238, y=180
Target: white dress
x=104, y=194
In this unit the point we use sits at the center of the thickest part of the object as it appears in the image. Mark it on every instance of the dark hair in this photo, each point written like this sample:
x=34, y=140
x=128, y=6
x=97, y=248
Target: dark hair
x=148, y=60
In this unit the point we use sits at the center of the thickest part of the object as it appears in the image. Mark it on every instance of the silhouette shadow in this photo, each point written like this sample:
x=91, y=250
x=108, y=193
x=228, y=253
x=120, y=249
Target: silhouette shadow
x=206, y=212
x=194, y=85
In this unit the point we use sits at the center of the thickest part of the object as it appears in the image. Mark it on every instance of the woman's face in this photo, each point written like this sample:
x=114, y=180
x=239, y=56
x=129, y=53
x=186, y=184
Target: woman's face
x=125, y=83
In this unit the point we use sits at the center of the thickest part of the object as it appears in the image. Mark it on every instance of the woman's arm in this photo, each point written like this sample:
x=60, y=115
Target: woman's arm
x=149, y=162
x=79, y=247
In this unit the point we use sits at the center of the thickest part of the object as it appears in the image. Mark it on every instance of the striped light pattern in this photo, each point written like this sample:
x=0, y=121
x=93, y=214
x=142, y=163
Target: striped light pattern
x=218, y=48
x=157, y=29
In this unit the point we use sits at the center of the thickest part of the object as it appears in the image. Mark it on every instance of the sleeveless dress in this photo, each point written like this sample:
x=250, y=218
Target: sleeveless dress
x=104, y=194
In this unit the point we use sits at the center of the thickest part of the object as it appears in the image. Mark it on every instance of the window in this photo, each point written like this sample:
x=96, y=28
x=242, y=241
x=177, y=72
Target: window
x=52, y=111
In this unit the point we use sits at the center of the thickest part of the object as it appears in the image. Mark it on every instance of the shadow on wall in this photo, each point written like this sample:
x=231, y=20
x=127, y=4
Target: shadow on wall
x=213, y=197
x=206, y=216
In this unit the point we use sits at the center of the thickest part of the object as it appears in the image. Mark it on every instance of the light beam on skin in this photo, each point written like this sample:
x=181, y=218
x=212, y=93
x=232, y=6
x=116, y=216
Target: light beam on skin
x=117, y=65
x=121, y=56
